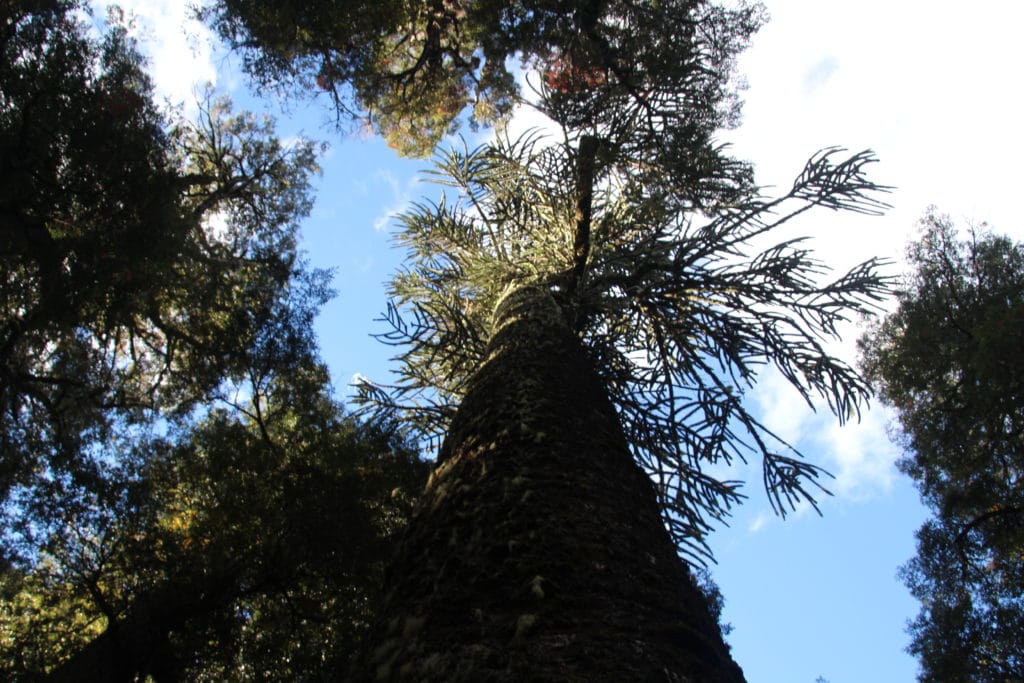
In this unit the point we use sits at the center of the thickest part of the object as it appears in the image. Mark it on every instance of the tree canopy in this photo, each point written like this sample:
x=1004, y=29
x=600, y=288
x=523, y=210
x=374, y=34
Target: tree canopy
x=140, y=251
x=412, y=68
x=182, y=497
x=948, y=361
x=248, y=545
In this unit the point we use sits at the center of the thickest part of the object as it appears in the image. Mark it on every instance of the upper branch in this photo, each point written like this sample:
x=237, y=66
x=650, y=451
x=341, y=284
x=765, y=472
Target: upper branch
x=584, y=205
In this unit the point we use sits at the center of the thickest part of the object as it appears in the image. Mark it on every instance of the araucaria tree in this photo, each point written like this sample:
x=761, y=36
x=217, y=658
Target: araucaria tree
x=581, y=314
x=949, y=362
x=598, y=373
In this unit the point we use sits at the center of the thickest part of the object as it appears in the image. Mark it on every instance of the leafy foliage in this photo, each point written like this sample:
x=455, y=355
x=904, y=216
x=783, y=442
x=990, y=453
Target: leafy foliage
x=247, y=542
x=181, y=496
x=249, y=546
x=140, y=252
x=412, y=68
x=948, y=361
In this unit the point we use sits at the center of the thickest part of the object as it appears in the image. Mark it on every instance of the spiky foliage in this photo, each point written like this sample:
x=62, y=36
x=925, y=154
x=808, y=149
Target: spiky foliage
x=678, y=311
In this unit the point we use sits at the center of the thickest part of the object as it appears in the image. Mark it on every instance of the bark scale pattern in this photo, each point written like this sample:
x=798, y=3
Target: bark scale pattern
x=540, y=538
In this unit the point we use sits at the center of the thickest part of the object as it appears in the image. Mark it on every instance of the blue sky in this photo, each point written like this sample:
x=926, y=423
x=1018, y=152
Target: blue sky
x=931, y=86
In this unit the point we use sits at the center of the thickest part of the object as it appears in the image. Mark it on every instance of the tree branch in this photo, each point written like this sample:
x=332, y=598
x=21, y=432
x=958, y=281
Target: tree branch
x=584, y=205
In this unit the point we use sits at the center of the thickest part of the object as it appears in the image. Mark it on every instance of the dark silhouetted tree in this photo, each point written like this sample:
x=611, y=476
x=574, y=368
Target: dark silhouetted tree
x=573, y=396
x=181, y=496
x=140, y=253
x=412, y=67
x=246, y=545
x=949, y=361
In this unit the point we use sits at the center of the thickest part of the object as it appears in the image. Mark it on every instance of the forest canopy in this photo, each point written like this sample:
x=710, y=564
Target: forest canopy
x=177, y=483
x=184, y=496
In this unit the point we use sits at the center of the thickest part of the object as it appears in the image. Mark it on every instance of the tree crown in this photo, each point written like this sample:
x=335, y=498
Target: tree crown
x=678, y=312
x=412, y=68
x=948, y=361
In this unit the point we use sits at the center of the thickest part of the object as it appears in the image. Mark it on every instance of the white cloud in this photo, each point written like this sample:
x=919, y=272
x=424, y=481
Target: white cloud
x=779, y=406
x=860, y=455
x=527, y=119
x=401, y=196
x=181, y=50
x=760, y=521
x=929, y=87
x=819, y=74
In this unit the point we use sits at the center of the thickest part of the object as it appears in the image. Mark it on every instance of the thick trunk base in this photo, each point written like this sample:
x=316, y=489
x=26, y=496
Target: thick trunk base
x=538, y=553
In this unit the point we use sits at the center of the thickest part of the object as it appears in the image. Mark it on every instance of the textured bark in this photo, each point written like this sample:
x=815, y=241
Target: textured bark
x=538, y=553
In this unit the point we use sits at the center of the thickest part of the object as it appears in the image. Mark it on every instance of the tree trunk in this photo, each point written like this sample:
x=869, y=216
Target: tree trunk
x=138, y=645
x=538, y=552
x=123, y=653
